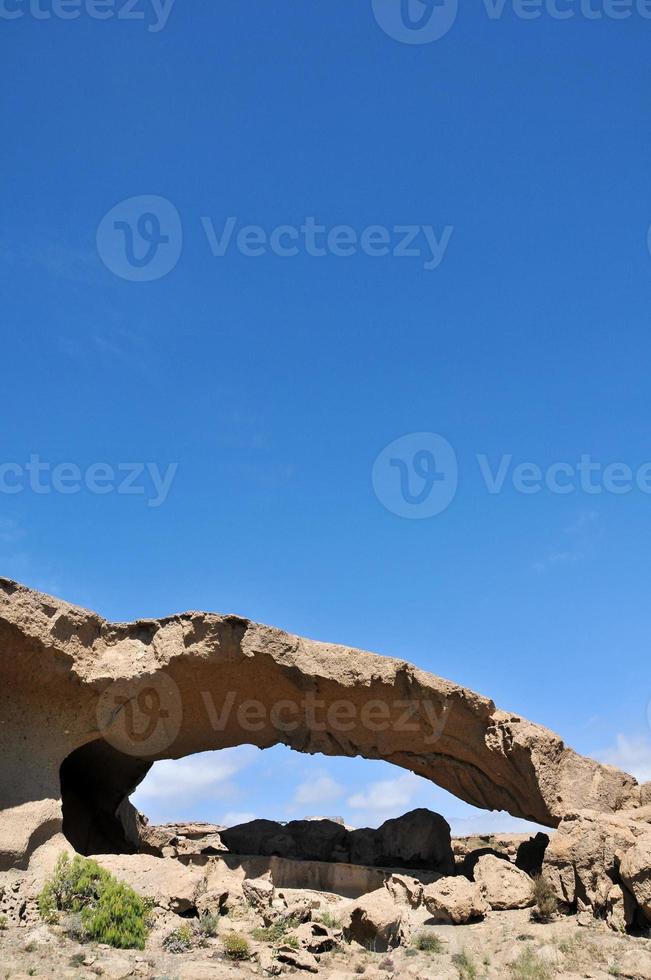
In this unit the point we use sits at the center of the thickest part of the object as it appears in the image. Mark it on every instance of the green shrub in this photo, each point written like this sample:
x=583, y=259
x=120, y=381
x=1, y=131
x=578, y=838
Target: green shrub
x=110, y=911
x=275, y=932
x=4, y=923
x=267, y=934
x=427, y=942
x=330, y=920
x=236, y=947
x=529, y=966
x=465, y=966
x=180, y=940
x=544, y=897
x=208, y=925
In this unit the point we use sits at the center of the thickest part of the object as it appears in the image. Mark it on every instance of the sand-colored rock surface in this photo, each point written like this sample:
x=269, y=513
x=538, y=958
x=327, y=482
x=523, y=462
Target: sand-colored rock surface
x=86, y=706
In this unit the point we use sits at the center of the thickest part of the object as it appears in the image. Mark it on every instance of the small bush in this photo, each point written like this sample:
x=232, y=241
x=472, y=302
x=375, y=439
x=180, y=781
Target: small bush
x=4, y=922
x=275, y=932
x=77, y=959
x=545, y=901
x=465, y=966
x=208, y=925
x=427, y=942
x=529, y=966
x=179, y=940
x=236, y=947
x=330, y=920
x=99, y=906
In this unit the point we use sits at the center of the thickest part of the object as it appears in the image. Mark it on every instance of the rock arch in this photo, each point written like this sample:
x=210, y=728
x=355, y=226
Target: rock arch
x=110, y=699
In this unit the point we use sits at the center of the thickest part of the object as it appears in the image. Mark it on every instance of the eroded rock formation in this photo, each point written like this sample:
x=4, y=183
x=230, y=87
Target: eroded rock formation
x=418, y=839
x=86, y=707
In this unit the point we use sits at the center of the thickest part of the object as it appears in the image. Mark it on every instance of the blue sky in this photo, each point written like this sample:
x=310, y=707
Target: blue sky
x=262, y=389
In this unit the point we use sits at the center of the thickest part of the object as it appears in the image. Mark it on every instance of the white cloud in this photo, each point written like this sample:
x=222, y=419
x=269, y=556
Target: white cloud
x=384, y=799
x=489, y=822
x=633, y=755
x=233, y=818
x=174, y=788
x=323, y=789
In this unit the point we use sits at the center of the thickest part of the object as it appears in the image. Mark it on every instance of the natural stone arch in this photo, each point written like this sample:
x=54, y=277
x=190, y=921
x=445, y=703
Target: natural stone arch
x=168, y=688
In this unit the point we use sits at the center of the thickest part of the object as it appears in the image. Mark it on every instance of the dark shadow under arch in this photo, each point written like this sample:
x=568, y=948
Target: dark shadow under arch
x=96, y=781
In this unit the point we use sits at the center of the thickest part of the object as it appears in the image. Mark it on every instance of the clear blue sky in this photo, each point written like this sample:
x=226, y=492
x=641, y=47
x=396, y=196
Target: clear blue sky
x=275, y=382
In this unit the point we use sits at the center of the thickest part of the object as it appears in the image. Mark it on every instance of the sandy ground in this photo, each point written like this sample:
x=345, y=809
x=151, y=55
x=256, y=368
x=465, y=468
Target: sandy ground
x=490, y=949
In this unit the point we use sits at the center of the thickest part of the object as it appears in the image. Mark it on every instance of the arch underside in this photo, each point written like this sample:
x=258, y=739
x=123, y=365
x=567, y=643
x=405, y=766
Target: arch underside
x=89, y=705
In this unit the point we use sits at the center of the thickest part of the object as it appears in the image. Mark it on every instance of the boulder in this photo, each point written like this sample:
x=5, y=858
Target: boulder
x=375, y=921
x=531, y=854
x=467, y=866
x=301, y=959
x=405, y=890
x=259, y=892
x=455, y=900
x=307, y=840
x=634, y=965
x=620, y=909
x=171, y=884
x=214, y=901
x=583, y=856
x=418, y=839
x=502, y=884
x=635, y=872
x=317, y=938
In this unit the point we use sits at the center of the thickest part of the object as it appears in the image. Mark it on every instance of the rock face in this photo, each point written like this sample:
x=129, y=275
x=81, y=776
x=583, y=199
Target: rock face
x=455, y=900
x=419, y=839
x=583, y=859
x=635, y=872
x=169, y=883
x=502, y=884
x=86, y=707
x=375, y=920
